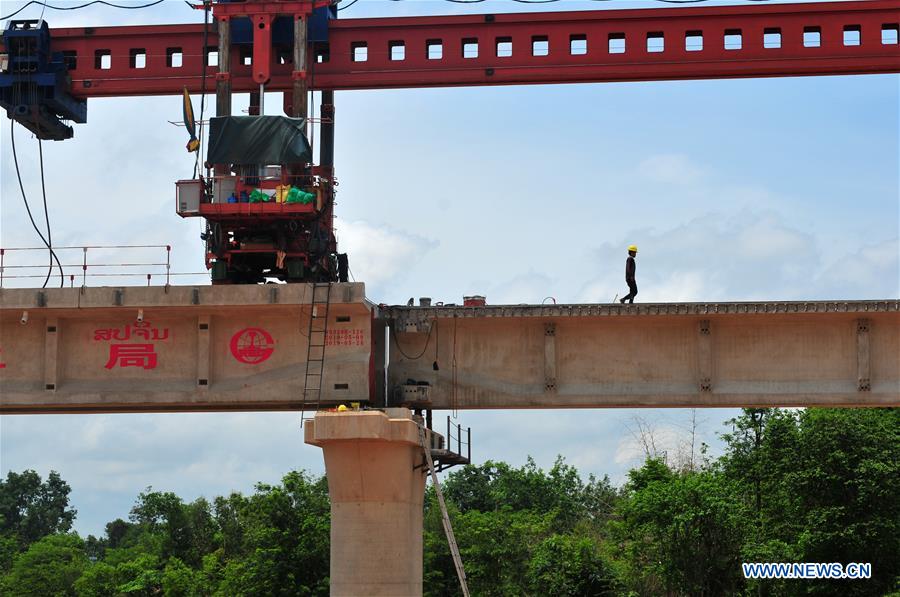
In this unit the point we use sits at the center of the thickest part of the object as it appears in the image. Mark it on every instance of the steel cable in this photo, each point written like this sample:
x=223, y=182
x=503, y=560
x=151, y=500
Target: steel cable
x=85, y=5
x=12, y=137
x=62, y=279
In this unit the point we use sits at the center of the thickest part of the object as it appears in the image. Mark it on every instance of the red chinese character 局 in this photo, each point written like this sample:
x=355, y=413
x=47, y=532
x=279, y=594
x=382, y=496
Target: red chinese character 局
x=132, y=355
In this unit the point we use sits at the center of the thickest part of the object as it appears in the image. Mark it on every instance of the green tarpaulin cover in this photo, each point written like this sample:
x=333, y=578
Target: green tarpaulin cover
x=258, y=140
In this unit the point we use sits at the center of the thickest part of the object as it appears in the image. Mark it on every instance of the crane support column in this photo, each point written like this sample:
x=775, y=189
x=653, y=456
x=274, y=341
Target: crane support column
x=298, y=76
x=223, y=77
x=376, y=480
x=326, y=144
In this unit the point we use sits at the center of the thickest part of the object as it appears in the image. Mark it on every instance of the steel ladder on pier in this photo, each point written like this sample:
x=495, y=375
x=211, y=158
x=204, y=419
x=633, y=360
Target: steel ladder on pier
x=445, y=517
x=315, y=349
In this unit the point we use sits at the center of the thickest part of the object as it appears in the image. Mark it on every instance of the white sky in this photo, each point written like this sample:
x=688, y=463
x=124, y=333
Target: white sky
x=734, y=190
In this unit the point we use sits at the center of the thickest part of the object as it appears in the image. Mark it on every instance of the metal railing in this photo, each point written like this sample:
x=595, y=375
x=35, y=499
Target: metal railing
x=144, y=262
x=459, y=442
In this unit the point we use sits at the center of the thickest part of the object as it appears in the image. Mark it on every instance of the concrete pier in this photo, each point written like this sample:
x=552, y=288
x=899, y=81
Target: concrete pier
x=376, y=480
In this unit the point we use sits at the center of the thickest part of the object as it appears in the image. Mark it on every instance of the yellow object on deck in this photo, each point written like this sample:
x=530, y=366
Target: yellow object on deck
x=281, y=192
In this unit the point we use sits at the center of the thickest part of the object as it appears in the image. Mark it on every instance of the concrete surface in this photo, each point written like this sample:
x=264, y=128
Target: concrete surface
x=373, y=461
x=244, y=348
x=649, y=355
x=210, y=348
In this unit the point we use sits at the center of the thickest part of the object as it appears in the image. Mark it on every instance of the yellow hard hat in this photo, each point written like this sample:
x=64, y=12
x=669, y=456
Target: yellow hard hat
x=341, y=408
x=632, y=248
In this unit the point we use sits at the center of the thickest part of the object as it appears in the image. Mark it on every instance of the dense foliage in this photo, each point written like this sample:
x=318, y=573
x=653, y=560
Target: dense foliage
x=274, y=542
x=818, y=485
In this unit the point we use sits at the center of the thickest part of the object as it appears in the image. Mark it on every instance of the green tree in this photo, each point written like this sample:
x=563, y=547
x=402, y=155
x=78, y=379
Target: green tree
x=848, y=480
x=140, y=577
x=116, y=532
x=496, y=548
x=97, y=580
x=94, y=548
x=762, y=458
x=229, y=525
x=31, y=508
x=569, y=565
x=514, y=526
x=180, y=581
x=822, y=485
x=496, y=485
x=283, y=539
x=681, y=532
x=165, y=513
x=9, y=547
x=50, y=566
x=188, y=530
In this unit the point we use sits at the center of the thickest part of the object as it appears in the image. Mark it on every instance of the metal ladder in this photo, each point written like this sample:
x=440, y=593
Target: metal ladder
x=315, y=349
x=445, y=517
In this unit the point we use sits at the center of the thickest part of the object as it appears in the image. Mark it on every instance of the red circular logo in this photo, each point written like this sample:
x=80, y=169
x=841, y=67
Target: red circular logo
x=252, y=345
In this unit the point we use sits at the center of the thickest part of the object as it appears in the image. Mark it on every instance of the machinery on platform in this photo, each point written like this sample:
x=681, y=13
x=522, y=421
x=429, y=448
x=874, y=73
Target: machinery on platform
x=269, y=212
x=269, y=209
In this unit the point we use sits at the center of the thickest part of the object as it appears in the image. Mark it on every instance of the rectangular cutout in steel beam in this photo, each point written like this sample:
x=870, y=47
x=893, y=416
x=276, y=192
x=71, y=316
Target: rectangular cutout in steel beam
x=693, y=41
x=734, y=40
x=504, y=47
x=812, y=37
x=616, y=43
x=578, y=44
x=470, y=47
x=397, y=50
x=656, y=42
x=434, y=49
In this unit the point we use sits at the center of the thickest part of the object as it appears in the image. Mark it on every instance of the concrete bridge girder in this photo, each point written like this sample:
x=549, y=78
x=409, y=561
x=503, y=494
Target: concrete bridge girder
x=214, y=348
x=688, y=355
x=244, y=348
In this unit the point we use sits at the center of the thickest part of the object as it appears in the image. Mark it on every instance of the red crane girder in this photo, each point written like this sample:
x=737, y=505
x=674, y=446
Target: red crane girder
x=826, y=38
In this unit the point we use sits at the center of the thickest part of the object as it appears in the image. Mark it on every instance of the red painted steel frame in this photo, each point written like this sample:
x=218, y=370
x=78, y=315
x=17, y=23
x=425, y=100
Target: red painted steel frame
x=553, y=31
x=261, y=211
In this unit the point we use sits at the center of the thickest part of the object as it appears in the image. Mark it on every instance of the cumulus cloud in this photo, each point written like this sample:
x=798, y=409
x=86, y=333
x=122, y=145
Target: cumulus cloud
x=747, y=256
x=872, y=272
x=380, y=254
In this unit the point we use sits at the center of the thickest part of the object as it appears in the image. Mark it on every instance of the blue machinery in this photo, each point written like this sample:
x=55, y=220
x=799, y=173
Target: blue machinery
x=35, y=86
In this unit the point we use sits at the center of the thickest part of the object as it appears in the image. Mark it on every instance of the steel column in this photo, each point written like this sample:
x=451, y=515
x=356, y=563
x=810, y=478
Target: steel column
x=299, y=85
x=326, y=142
x=223, y=77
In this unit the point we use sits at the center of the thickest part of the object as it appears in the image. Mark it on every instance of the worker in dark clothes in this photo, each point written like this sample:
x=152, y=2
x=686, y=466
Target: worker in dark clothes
x=629, y=275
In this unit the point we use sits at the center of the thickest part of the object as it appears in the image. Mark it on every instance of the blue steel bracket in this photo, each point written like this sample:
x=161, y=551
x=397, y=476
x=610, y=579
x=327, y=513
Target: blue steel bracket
x=35, y=86
x=283, y=28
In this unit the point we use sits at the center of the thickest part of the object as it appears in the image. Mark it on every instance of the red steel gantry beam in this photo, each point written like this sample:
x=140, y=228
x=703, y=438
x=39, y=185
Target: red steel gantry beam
x=824, y=38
